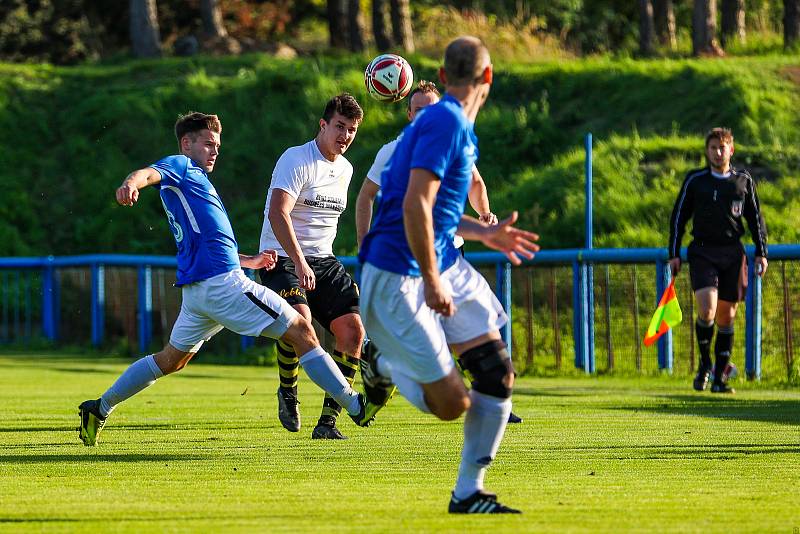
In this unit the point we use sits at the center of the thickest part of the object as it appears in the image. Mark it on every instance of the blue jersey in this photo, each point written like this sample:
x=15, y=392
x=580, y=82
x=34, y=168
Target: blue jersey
x=198, y=220
x=441, y=140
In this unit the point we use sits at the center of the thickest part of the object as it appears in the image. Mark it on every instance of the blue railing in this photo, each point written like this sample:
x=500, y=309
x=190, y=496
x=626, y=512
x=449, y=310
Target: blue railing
x=581, y=260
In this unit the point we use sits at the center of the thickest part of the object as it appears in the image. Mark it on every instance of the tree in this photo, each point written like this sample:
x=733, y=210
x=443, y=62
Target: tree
x=733, y=22
x=212, y=19
x=355, y=23
x=380, y=25
x=401, y=24
x=664, y=20
x=646, y=28
x=337, y=23
x=791, y=23
x=145, y=37
x=704, y=29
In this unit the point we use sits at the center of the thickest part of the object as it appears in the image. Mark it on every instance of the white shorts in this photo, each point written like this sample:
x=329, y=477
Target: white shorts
x=233, y=301
x=413, y=338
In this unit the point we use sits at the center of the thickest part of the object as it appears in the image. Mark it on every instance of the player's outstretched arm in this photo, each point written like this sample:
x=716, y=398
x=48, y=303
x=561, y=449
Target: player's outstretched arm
x=513, y=242
x=128, y=192
x=265, y=259
x=366, y=198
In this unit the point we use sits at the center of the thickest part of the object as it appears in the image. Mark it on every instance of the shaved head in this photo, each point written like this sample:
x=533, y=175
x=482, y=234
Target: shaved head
x=465, y=59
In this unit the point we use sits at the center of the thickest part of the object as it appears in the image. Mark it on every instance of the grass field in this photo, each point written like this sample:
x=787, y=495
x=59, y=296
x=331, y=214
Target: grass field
x=203, y=450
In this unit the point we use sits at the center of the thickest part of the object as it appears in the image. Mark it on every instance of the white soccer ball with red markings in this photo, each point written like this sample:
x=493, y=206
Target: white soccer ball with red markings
x=388, y=78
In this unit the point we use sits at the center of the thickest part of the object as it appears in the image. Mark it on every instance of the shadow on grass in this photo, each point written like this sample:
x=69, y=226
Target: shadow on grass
x=23, y=520
x=728, y=407
x=93, y=456
x=716, y=451
x=27, y=429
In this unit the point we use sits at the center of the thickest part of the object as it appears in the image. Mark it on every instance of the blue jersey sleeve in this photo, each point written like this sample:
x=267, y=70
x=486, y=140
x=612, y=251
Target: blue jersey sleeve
x=436, y=140
x=172, y=169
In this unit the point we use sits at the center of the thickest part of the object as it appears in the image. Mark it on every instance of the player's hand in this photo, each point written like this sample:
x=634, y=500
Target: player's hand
x=438, y=298
x=674, y=266
x=305, y=274
x=266, y=259
x=513, y=242
x=761, y=265
x=127, y=194
x=488, y=218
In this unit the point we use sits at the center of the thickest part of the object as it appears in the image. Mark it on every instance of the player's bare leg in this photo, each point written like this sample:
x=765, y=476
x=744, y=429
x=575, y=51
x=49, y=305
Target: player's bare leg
x=138, y=376
x=289, y=368
x=320, y=367
x=349, y=334
x=491, y=373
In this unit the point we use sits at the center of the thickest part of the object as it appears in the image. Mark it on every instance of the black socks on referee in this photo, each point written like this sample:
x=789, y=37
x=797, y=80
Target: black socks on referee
x=722, y=351
x=705, y=331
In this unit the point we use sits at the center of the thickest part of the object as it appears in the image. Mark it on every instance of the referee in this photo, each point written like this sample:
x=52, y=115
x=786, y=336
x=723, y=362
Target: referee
x=716, y=198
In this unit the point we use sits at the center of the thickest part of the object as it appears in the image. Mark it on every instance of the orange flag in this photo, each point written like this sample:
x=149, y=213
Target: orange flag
x=667, y=315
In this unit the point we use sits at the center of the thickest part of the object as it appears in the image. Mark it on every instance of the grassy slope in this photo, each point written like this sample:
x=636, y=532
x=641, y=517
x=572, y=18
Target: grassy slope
x=72, y=134
x=194, y=452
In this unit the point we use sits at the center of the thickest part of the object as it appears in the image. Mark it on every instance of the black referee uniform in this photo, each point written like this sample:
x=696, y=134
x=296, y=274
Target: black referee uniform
x=717, y=204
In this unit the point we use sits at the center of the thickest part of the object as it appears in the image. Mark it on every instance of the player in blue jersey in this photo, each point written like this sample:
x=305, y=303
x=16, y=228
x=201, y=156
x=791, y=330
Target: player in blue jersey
x=421, y=299
x=216, y=292
x=421, y=97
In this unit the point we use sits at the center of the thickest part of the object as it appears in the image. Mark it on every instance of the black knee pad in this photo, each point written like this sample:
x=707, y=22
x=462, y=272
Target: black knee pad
x=488, y=365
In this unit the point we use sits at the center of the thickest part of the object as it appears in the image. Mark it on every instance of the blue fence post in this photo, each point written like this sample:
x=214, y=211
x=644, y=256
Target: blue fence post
x=49, y=302
x=503, y=292
x=752, y=334
x=98, y=303
x=665, y=355
x=577, y=314
x=145, y=291
x=588, y=303
x=587, y=272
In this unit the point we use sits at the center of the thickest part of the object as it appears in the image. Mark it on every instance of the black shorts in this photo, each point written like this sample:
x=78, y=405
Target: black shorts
x=722, y=267
x=336, y=293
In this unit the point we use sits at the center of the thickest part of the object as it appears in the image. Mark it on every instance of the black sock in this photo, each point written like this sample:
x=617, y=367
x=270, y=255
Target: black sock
x=722, y=351
x=330, y=408
x=704, y=331
x=288, y=367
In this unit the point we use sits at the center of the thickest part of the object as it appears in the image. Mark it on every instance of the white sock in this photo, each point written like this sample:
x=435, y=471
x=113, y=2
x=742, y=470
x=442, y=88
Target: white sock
x=139, y=375
x=409, y=389
x=484, y=426
x=322, y=370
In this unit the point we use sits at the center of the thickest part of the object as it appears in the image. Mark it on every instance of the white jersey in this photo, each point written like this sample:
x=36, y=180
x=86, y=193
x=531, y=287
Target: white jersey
x=319, y=187
x=381, y=159
x=380, y=164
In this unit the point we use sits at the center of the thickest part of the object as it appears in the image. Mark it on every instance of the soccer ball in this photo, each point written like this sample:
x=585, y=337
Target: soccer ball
x=388, y=78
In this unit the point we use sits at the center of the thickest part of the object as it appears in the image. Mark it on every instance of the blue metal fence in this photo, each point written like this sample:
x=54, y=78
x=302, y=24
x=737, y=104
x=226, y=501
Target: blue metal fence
x=31, y=293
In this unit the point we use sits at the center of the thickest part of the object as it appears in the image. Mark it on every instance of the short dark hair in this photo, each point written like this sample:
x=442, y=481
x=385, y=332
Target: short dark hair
x=725, y=135
x=464, y=60
x=345, y=105
x=193, y=122
x=424, y=87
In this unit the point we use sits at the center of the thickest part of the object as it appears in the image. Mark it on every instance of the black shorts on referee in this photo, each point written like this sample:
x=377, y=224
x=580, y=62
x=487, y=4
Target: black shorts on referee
x=718, y=266
x=336, y=293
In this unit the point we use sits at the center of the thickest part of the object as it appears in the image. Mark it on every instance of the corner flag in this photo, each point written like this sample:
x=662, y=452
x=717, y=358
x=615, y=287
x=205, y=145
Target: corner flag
x=667, y=315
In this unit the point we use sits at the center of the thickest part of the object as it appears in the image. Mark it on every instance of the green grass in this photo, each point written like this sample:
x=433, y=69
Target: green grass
x=204, y=450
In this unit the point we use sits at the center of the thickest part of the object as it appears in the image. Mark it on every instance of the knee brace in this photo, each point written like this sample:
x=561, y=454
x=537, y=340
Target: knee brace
x=488, y=365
